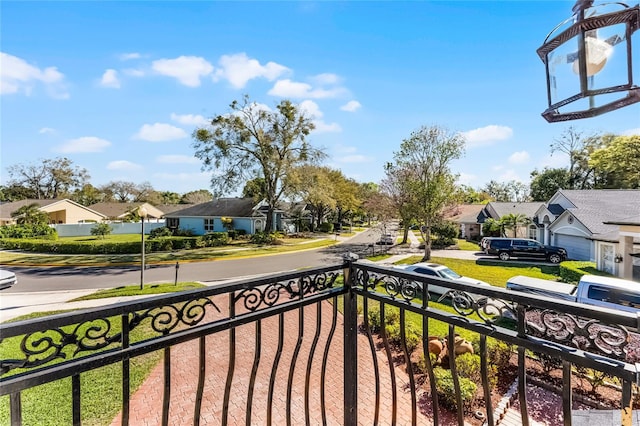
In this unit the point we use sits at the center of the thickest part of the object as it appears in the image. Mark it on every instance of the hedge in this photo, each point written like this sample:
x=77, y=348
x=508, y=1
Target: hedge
x=572, y=271
x=109, y=247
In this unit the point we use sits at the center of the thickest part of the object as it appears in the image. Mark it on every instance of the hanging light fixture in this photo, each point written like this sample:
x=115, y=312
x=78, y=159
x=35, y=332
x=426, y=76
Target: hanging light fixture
x=588, y=59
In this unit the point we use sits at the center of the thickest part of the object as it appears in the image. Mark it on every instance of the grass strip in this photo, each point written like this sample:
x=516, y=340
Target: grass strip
x=134, y=290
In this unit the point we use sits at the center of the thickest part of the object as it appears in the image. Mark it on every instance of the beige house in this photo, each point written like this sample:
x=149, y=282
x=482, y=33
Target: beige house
x=122, y=211
x=59, y=211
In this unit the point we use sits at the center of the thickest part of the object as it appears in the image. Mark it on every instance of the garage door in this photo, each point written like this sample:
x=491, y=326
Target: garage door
x=578, y=248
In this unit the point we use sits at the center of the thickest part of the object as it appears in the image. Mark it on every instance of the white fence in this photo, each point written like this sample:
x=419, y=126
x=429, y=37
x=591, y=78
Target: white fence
x=84, y=229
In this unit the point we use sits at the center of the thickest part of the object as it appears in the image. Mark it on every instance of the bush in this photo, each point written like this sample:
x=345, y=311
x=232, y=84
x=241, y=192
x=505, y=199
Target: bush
x=262, y=238
x=28, y=231
x=101, y=230
x=445, y=234
x=447, y=392
x=499, y=353
x=468, y=366
x=326, y=227
x=160, y=232
x=548, y=362
x=572, y=271
x=213, y=239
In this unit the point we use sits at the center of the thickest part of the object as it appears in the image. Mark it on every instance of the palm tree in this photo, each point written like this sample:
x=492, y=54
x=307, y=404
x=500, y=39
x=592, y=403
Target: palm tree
x=514, y=221
x=30, y=214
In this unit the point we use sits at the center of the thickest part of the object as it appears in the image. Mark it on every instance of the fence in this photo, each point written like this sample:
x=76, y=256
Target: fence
x=299, y=348
x=84, y=229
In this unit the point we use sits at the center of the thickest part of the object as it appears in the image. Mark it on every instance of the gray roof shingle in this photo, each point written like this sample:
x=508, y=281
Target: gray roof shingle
x=596, y=206
x=227, y=207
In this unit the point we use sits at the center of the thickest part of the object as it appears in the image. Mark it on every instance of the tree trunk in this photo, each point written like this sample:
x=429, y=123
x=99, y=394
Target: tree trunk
x=427, y=244
x=405, y=236
x=269, y=224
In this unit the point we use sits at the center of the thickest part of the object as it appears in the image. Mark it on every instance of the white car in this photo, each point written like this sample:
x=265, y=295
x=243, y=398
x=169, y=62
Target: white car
x=7, y=279
x=440, y=271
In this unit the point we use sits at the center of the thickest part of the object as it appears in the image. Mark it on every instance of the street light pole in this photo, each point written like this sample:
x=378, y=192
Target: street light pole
x=142, y=212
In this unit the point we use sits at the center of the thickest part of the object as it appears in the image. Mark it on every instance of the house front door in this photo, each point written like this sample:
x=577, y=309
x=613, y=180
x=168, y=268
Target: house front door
x=607, y=256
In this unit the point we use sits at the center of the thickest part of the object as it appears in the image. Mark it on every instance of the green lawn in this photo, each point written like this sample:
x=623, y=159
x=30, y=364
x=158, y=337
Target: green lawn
x=493, y=273
x=467, y=245
x=134, y=290
x=50, y=404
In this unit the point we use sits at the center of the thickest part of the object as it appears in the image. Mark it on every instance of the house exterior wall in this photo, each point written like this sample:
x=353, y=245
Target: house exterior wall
x=196, y=224
x=64, y=212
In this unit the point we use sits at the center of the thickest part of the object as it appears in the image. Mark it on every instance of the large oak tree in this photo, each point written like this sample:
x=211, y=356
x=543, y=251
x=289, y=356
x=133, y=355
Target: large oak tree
x=253, y=141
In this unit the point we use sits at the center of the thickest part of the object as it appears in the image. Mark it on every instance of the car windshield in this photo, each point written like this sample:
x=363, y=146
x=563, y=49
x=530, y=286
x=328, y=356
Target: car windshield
x=448, y=273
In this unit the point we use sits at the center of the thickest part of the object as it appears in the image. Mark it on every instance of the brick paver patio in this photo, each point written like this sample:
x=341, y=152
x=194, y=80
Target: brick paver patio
x=146, y=403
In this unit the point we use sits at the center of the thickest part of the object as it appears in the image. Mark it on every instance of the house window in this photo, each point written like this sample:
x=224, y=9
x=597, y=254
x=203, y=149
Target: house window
x=208, y=225
x=173, y=222
x=533, y=232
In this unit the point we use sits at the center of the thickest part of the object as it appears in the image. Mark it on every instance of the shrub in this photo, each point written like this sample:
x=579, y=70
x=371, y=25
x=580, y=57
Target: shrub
x=548, y=362
x=326, y=227
x=499, y=353
x=262, y=238
x=411, y=334
x=101, y=230
x=447, y=392
x=468, y=366
x=28, y=231
x=160, y=232
x=572, y=271
x=445, y=234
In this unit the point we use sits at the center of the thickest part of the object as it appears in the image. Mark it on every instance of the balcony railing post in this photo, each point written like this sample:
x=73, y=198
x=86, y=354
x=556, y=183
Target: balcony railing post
x=350, y=344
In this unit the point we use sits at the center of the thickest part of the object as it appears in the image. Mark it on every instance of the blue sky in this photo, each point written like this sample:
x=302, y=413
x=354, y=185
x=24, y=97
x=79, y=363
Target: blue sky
x=118, y=87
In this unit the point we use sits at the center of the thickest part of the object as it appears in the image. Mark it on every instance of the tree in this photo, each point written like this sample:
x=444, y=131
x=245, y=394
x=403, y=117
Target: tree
x=514, y=221
x=253, y=142
x=30, y=214
x=506, y=191
x=547, y=182
x=101, y=229
x=313, y=184
x=345, y=193
x=87, y=195
x=169, y=197
x=427, y=155
x=119, y=190
x=577, y=147
x=397, y=186
x=618, y=162
x=196, y=197
x=469, y=195
x=49, y=178
x=255, y=188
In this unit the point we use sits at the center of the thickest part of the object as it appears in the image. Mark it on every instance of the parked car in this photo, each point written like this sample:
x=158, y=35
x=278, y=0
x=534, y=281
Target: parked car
x=7, y=279
x=484, y=243
x=440, y=271
x=506, y=248
x=385, y=239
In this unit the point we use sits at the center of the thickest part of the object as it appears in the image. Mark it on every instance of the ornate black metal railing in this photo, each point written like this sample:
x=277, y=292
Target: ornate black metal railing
x=300, y=348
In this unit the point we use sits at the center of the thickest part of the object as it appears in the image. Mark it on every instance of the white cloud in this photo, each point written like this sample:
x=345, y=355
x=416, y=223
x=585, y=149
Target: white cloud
x=45, y=130
x=325, y=78
x=294, y=89
x=312, y=110
x=186, y=69
x=357, y=158
x=160, y=132
x=631, y=132
x=123, y=165
x=467, y=179
x=487, y=135
x=133, y=72
x=509, y=175
x=110, y=79
x=190, y=119
x=84, y=144
x=177, y=159
x=555, y=161
x=129, y=56
x=351, y=106
x=18, y=76
x=238, y=69
x=520, y=157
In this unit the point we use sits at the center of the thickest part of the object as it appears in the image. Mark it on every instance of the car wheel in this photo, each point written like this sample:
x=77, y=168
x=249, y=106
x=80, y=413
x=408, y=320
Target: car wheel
x=555, y=258
x=504, y=255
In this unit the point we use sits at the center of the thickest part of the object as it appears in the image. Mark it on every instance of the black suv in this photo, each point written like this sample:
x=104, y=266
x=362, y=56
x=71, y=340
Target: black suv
x=506, y=248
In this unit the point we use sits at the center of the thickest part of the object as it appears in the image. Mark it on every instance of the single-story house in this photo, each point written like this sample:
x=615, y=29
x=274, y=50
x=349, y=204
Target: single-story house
x=466, y=217
x=114, y=211
x=244, y=213
x=590, y=223
x=62, y=211
x=496, y=210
